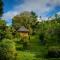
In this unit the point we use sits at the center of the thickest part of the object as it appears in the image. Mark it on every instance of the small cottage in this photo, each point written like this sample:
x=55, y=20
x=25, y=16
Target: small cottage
x=24, y=32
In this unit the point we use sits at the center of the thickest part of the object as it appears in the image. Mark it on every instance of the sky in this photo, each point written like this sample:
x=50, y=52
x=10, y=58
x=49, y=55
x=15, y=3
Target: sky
x=44, y=8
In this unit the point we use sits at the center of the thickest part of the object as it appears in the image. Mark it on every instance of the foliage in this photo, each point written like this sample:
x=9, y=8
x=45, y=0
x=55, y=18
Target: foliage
x=8, y=33
x=7, y=50
x=2, y=23
x=52, y=34
x=53, y=52
x=25, y=42
x=2, y=34
x=42, y=38
x=1, y=7
x=2, y=28
x=27, y=19
x=25, y=56
x=44, y=35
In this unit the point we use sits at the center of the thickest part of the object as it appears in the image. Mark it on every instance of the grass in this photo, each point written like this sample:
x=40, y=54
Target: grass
x=24, y=55
x=35, y=44
x=35, y=52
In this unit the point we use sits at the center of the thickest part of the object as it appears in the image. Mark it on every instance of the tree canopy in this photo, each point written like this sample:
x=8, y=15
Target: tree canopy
x=27, y=19
x=1, y=7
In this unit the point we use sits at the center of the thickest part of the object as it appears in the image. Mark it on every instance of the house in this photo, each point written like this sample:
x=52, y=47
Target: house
x=24, y=32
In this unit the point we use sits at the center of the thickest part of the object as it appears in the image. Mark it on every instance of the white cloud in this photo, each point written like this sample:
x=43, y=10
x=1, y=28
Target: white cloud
x=38, y=6
x=39, y=20
x=9, y=14
x=58, y=13
x=35, y=5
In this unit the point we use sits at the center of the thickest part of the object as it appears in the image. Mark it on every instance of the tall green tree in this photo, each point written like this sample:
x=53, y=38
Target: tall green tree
x=2, y=28
x=27, y=19
x=1, y=8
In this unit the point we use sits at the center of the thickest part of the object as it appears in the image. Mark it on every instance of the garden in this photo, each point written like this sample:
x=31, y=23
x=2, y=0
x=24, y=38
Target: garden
x=28, y=39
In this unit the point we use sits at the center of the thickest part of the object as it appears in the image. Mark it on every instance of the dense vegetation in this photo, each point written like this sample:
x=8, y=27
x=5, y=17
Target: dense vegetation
x=1, y=8
x=43, y=42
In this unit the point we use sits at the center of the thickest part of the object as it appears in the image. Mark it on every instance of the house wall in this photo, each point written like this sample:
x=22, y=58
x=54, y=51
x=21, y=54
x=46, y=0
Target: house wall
x=24, y=34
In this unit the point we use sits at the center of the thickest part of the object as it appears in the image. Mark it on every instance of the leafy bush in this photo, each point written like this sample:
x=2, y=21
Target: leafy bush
x=8, y=35
x=7, y=50
x=53, y=52
x=42, y=38
x=25, y=42
x=25, y=56
x=52, y=35
x=2, y=34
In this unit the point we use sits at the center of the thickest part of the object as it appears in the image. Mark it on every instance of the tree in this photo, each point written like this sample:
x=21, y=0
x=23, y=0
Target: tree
x=52, y=32
x=33, y=14
x=2, y=23
x=2, y=28
x=56, y=16
x=8, y=33
x=42, y=38
x=27, y=19
x=1, y=8
x=7, y=50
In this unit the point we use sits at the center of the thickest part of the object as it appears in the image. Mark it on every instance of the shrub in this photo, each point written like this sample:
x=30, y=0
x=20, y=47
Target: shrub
x=7, y=50
x=42, y=38
x=53, y=52
x=25, y=42
x=52, y=35
x=25, y=56
x=8, y=35
x=2, y=34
